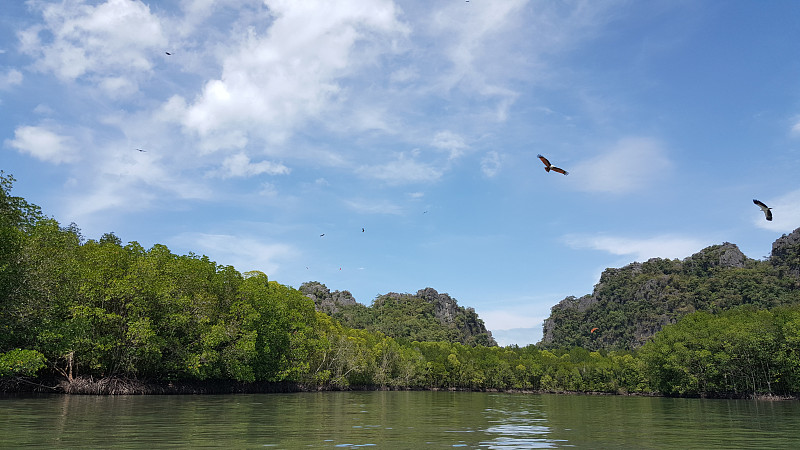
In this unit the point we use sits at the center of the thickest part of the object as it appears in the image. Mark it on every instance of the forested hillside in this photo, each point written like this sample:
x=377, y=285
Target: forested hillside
x=425, y=316
x=629, y=305
x=100, y=316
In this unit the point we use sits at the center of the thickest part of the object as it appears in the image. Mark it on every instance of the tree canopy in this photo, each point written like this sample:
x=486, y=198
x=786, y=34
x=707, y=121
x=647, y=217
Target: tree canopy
x=73, y=309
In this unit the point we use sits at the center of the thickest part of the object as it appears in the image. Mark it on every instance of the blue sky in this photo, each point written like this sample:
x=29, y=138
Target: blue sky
x=274, y=122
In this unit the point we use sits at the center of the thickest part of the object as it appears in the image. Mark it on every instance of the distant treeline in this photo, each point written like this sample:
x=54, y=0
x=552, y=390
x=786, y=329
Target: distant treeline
x=73, y=309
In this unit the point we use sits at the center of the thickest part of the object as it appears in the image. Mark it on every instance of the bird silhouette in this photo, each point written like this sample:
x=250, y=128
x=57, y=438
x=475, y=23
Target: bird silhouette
x=168, y=53
x=765, y=208
x=548, y=167
x=143, y=151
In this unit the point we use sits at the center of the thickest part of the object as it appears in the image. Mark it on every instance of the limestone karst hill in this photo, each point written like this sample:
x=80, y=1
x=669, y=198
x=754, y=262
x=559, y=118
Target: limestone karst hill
x=424, y=316
x=630, y=304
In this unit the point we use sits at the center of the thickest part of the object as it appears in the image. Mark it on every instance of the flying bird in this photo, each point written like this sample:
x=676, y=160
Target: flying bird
x=323, y=234
x=168, y=53
x=362, y=229
x=548, y=167
x=143, y=151
x=594, y=329
x=764, y=208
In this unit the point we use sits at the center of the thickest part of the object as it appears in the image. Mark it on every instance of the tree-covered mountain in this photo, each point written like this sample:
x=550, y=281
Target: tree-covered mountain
x=424, y=316
x=631, y=304
x=100, y=317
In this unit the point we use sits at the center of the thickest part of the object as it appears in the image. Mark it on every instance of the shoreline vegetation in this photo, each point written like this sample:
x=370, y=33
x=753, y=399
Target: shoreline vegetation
x=82, y=316
x=120, y=386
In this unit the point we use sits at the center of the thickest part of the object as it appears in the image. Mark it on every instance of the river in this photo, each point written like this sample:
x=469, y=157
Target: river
x=401, y=420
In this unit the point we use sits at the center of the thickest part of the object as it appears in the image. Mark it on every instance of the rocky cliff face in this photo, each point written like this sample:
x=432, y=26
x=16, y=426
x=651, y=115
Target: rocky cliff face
x=324, y=300
x=630, y=304
x=440, y=311
x=786, y=253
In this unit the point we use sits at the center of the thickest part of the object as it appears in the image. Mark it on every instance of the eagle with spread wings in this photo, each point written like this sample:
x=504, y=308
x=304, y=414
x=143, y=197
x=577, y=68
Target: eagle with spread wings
x=548, y=167
x=764, y=208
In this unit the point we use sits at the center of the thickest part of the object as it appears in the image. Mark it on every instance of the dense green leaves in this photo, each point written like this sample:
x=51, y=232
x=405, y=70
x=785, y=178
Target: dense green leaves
x=72, y=308
x=745, y=350
x=629, y=305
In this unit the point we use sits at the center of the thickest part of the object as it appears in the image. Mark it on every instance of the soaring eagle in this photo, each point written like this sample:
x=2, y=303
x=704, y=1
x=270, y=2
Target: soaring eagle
x=548, y=167
x=764, y=208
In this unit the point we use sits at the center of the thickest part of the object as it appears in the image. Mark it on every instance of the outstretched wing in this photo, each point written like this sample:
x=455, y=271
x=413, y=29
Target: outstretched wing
x=559, y=170
x=764, y=208
x=544, y=160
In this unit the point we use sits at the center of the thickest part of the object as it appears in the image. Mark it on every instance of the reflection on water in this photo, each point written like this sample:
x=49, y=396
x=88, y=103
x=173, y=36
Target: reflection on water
x=394, y=420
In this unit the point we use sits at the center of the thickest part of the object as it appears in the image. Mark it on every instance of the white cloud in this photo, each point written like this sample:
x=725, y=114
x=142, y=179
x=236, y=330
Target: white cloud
x=243, y=253
x=785, y=213
x=451, y=142
x=404, y=75
x=517, y=336
x=110, y=41
x=268, y=190
x=630, y=165
x=402, y=170
x=239, y=165
x=503, y=319
x=488, y=46
x=11, y=78
x=373, y=207
x=796, y=128
x=491, y=163
x=275, y=81
x=664, y=246
x=43, y=144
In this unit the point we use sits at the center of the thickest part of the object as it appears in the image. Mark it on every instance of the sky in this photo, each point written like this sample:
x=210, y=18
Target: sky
x=407, y=133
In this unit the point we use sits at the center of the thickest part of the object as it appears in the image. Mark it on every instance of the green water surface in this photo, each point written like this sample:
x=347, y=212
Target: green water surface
x=411, y=420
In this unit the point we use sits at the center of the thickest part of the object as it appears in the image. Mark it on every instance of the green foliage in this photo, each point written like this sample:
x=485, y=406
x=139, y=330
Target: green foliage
x=21, y=363
x=744, y=350
x=409, y=317
x=101, y=308
x=629, y=305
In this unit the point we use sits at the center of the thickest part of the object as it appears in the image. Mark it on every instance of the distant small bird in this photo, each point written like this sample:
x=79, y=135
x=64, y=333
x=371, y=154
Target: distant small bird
x=168, y=53
x=362, y=229
x=143, y=151
x=323, y=234
x=548, y=167
x=764, y=208
x=594, y=329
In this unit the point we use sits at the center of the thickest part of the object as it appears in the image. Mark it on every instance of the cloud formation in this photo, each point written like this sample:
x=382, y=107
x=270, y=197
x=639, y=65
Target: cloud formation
x=11, y=78
x=642, y=249
x=630, y=165
x=785, y=213
x=491, y=163
x=242, y=252
x=110, y=43
x=403, y=170
x=239, y=165
x=274, y=81
x=44, y=144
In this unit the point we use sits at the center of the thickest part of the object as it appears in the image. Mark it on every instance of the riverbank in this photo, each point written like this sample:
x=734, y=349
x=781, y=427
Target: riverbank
x=126, y=386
